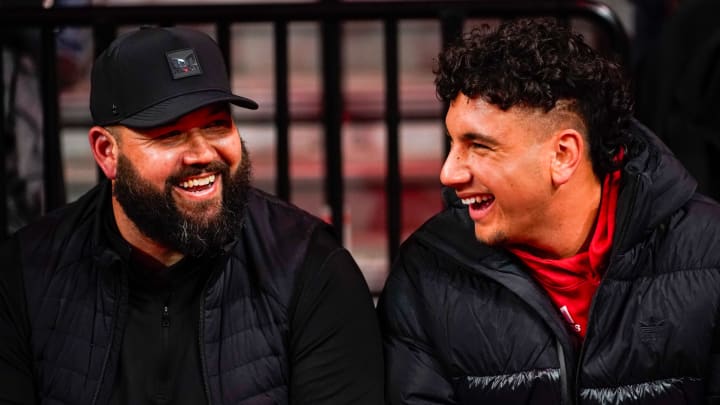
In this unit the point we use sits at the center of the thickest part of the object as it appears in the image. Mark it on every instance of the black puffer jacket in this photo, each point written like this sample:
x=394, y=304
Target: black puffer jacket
x=76, y=290
x=464, y=323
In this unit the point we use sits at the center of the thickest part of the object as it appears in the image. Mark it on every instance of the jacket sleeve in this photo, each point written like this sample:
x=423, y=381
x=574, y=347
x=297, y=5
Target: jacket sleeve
x=335, y=345
x=414, y=373
x=16, y=376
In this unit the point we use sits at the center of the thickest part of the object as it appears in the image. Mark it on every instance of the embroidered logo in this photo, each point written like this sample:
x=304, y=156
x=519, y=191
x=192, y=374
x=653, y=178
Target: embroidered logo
x=183, y=63
x=653, y=332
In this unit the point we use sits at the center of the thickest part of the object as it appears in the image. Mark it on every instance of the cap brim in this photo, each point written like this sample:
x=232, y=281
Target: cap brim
x=172, y=109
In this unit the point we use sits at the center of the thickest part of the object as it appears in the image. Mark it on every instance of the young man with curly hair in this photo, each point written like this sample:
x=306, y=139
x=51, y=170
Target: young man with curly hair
x=574, y=263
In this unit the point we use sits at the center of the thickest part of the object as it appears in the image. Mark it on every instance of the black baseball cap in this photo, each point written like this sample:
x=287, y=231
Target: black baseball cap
x=153, y=76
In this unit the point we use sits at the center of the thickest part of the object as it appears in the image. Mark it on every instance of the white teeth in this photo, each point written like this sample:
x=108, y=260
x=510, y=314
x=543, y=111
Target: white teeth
x=198, y=182
x=473, y=200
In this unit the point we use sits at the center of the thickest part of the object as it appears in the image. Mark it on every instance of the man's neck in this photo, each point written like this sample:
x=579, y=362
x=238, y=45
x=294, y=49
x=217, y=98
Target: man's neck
x=570, y=221
x=139, y=241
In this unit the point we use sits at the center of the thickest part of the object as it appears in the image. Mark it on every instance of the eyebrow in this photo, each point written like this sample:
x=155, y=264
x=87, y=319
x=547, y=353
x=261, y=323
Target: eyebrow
x=477, y=137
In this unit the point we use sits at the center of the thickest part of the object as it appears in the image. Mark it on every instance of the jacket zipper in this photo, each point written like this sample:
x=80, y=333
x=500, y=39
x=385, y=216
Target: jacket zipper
x=164, y=380
x=616, y=243
x=566, y=394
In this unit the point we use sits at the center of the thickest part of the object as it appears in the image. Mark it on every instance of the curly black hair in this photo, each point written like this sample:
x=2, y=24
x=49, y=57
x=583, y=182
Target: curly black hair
x=535, y=63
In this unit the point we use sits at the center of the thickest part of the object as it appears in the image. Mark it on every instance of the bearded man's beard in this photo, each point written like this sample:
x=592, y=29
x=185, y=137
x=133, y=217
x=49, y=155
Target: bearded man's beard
x=157, y=216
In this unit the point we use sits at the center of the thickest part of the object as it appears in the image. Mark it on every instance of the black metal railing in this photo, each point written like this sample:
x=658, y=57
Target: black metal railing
x=330, y=14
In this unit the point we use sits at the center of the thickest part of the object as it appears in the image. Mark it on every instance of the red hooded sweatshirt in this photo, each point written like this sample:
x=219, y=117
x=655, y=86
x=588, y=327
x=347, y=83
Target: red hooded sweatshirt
x=571, y=282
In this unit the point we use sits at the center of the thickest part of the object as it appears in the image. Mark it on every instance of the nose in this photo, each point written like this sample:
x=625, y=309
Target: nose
x=455, y=171
x=199, y=150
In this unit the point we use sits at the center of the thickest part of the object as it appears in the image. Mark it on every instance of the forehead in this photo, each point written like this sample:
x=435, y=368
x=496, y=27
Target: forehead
x=474, y=114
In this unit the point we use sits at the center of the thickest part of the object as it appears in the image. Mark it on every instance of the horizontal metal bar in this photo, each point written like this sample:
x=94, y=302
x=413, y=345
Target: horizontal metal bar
x=600, y=13
x=297, y=11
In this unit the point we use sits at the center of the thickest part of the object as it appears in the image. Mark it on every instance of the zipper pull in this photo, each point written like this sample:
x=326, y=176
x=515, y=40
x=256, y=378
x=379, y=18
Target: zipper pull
x=165, y=320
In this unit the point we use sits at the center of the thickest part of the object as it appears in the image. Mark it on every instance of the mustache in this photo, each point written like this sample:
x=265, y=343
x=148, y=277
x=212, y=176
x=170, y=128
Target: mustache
x=214, y=166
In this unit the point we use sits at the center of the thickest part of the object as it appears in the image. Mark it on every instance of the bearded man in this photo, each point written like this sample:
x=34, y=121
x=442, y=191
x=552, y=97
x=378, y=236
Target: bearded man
x=176, y=281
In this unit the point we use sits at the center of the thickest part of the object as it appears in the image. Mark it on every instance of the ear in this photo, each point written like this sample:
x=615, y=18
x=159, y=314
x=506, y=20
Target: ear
x=569, y=150
x=105, y=150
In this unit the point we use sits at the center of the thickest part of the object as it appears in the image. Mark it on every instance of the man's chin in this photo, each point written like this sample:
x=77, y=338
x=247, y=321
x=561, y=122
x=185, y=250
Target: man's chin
x=490, y=237
x=201, y=220
x=199, y=210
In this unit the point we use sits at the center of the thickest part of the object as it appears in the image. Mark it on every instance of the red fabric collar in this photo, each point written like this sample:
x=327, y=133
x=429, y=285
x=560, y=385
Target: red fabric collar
x=571, y=282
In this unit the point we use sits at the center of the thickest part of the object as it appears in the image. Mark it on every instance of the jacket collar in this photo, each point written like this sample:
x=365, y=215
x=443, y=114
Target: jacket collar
x=105, y=232
x=452, y=232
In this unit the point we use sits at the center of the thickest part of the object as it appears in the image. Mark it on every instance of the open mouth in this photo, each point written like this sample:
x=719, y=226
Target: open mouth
x=198, y=184
x=479, y=202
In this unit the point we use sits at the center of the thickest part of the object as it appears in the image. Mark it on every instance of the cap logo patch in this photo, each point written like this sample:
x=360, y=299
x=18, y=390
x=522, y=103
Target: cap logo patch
x=183, y=63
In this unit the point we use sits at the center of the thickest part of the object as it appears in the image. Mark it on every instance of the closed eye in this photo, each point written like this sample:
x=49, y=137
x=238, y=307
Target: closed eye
x=218, y=123
x=168, y=135
x=476, y=145
x=479, y=141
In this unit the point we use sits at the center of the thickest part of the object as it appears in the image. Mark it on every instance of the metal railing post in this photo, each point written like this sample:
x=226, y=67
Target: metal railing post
x=53, y=176
x=333, y=107
x=393, y=185
x=282, y=111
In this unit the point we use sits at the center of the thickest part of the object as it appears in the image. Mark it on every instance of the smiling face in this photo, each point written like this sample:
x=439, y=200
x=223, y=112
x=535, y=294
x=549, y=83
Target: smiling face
x=187, y=157
x=500, y=167
x=183, y=185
